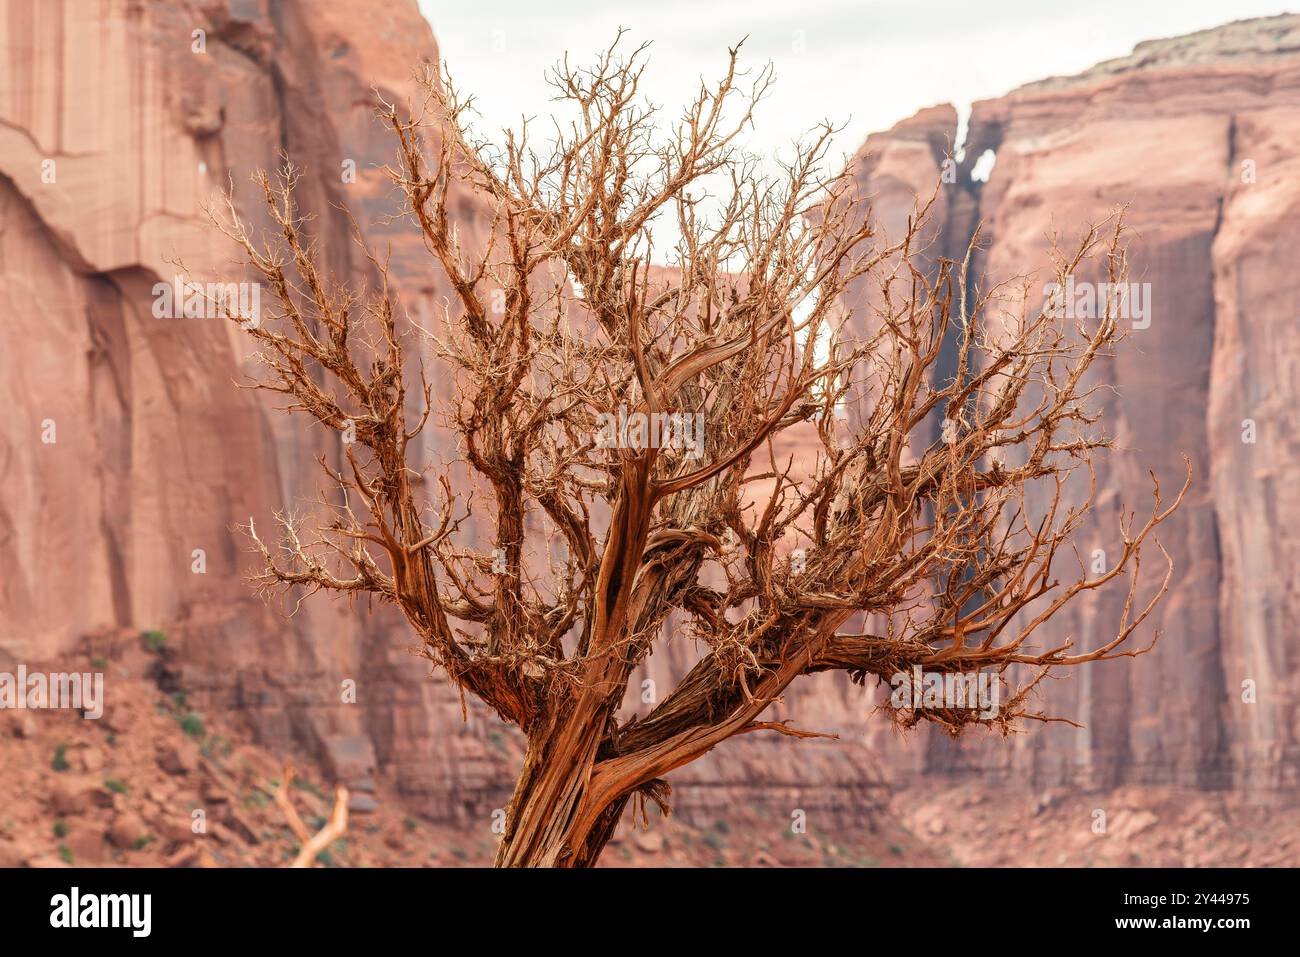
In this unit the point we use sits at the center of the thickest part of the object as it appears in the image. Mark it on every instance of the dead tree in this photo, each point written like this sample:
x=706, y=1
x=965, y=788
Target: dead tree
x=311, y=845
x=598, y=536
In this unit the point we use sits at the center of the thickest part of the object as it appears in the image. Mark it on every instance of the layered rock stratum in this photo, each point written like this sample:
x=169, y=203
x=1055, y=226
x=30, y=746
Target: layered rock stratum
x=119, y=122
x=1190, y=135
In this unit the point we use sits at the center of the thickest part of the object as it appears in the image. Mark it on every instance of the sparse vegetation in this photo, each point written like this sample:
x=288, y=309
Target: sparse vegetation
x=216, y=745
x=303, y=784
x=192, y=724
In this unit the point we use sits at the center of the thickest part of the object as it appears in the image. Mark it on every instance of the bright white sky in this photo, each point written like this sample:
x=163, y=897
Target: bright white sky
x=864, y=64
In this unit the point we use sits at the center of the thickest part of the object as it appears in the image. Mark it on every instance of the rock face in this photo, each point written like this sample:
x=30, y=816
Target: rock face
x=127, y=453
x=128, y=457
x=1191, y=134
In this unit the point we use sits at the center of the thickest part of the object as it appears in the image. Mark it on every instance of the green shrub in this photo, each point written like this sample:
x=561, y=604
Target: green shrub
x=192, y=724
x=60, y=762
x=116, y=785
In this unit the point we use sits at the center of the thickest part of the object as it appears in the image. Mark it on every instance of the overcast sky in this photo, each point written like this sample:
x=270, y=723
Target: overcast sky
x=864, y=64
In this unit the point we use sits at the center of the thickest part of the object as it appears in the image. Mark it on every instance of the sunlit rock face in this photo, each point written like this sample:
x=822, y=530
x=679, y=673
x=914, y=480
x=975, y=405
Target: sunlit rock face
x=130, y=455
x=1189, y=134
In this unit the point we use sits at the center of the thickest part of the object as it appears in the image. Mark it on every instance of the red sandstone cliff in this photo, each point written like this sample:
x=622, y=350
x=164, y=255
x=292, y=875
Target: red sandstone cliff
x=157, y=454
x=1192, y=133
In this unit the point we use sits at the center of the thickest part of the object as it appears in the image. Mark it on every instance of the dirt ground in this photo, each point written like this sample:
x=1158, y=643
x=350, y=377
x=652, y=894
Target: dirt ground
x=152, y=783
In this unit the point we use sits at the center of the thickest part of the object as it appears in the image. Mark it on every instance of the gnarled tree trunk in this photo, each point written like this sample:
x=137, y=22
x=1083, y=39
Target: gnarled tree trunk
x=549, y=822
